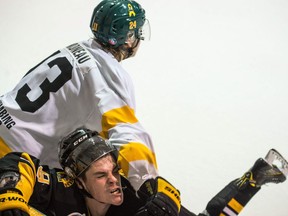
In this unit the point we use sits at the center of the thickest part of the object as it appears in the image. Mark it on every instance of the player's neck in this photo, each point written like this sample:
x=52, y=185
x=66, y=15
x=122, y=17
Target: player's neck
x=96, y=208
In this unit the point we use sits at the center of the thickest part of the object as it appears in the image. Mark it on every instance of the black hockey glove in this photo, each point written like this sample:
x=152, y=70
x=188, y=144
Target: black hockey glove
x=13, y=212
x=162, y=198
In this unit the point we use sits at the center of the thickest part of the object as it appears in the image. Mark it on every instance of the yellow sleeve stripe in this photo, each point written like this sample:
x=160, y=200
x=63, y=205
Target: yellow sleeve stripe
x=28, y=176
x=235, y=205
x=115, y=116
x=4, y=149
x=135, y=152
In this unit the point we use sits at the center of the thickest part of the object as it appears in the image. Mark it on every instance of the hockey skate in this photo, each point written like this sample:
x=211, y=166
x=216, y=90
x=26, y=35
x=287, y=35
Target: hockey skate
x=272, y=169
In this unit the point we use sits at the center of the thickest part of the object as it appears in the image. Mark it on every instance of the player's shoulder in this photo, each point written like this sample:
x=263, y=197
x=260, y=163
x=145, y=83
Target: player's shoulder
x=102, y=56
x=89, y=55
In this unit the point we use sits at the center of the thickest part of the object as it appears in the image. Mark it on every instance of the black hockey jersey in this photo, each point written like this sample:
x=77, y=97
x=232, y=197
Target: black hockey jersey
x=52, y=192
x=56, y=194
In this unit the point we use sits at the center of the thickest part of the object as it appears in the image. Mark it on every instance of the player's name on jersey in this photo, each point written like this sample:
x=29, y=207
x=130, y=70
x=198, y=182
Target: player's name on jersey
x=79, y=52
x=5, y=117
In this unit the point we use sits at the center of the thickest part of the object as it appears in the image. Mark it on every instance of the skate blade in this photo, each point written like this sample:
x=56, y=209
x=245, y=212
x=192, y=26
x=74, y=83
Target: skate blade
x=274, y=158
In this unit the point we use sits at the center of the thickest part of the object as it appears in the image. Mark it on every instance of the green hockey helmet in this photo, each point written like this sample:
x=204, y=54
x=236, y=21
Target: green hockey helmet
x=81, y=148
x=113, y=20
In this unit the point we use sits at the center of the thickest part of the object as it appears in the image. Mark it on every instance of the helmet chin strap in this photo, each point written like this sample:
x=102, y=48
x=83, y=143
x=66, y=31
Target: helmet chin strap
x=130, y=50
x=86, y=193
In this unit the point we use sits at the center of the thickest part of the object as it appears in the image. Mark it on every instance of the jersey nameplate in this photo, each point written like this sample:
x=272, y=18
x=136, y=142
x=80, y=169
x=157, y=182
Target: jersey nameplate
x=5, y=117
x=80, y=54
x=82, y=57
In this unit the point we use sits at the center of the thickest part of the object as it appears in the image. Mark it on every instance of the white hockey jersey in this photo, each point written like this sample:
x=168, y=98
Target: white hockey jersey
x=80, y=85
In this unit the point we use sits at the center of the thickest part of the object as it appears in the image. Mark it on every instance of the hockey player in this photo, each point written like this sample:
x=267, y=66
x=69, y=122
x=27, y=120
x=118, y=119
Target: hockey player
x=84, y=84
x=91, y=184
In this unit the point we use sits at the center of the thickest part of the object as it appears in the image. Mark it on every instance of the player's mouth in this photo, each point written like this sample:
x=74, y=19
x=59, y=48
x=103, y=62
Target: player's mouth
x=115, y=191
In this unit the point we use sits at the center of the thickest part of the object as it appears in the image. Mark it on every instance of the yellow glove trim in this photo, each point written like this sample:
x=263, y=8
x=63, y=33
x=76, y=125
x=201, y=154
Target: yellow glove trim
x=169, y=190
x=13, y=201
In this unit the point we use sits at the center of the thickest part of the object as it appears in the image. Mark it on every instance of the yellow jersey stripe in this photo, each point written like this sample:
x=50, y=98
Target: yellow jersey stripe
x=115, y=116
x=134, y=152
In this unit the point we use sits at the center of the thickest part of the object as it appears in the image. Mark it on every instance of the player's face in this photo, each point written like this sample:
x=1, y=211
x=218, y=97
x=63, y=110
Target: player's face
x=132, y=42
x=135, y=48
x=103, y=181
x=144, y=33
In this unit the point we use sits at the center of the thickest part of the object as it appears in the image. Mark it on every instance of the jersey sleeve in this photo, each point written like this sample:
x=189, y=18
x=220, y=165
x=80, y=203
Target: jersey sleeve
x=136, y=154
x=120, y=125
x=115, y=99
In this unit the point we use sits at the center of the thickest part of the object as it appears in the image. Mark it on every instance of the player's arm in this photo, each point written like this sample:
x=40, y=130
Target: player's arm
x=136, y=151
x=17, y=180
x=113, y=94
x=137, y=158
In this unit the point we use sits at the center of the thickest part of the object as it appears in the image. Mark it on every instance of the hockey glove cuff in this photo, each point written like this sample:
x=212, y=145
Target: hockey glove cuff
x=12, y=199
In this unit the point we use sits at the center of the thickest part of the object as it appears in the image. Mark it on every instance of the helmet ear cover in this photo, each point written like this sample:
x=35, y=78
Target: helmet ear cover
x=113, y=19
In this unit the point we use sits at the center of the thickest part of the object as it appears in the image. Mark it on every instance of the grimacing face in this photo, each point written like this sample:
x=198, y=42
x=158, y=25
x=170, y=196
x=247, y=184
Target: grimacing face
x=102, y=181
